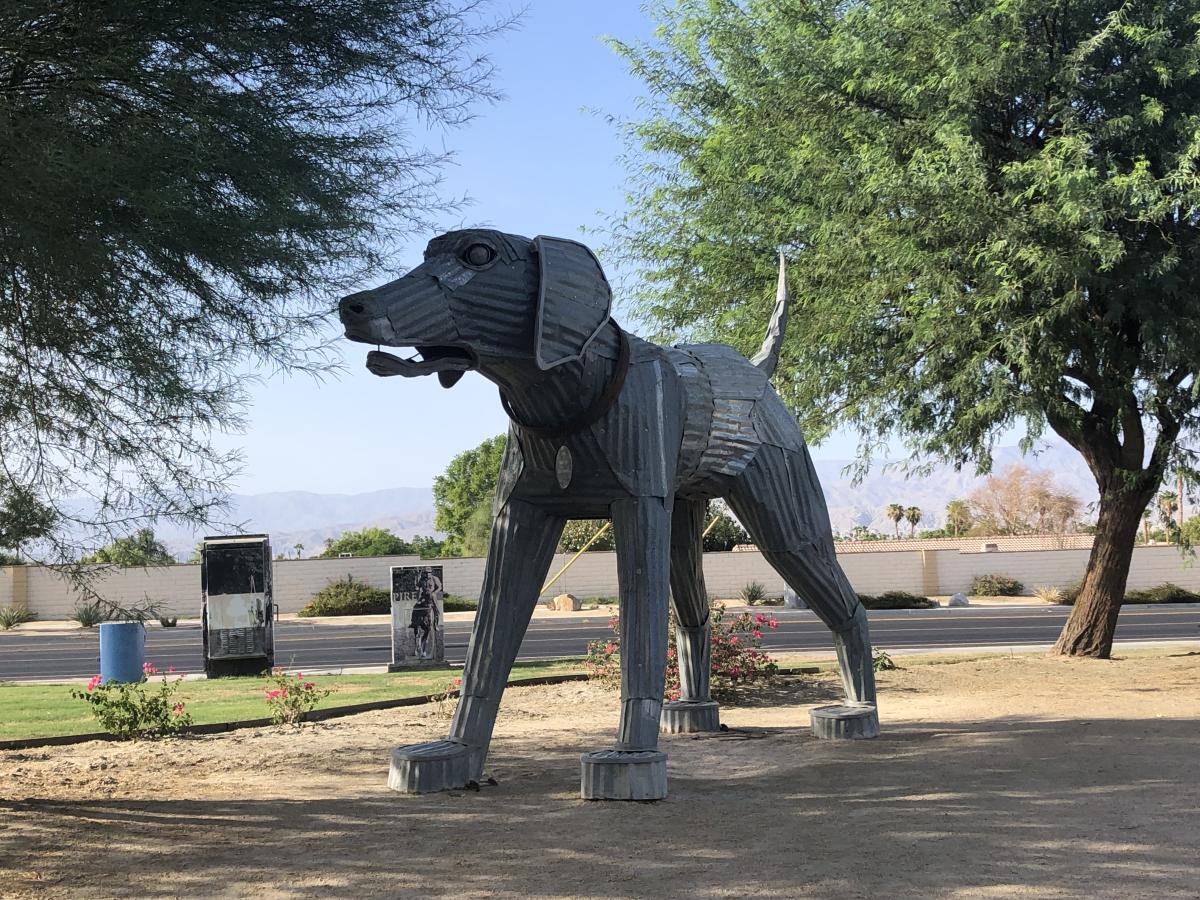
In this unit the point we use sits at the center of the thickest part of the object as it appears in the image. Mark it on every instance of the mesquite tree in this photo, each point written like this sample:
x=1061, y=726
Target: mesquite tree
x=990, y=212
x=185, y=190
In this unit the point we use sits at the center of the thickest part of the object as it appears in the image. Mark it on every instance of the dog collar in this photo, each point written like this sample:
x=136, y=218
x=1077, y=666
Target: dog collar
x=593, y=413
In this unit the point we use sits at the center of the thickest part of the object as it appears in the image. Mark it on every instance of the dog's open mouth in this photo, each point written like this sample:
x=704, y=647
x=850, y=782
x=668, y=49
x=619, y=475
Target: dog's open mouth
x=427, y=361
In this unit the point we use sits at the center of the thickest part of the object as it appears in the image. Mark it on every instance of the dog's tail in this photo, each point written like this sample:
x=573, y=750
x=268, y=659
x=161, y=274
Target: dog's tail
x=768, y=354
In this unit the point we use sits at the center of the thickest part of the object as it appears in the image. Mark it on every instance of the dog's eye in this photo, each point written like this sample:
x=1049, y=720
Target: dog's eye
x=478, y=255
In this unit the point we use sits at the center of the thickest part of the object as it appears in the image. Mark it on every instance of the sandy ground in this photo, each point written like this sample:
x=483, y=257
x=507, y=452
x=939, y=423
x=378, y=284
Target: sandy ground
x=1001, y=777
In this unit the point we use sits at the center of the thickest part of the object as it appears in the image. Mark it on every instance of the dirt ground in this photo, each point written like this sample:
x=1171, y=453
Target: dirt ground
x=998, y=777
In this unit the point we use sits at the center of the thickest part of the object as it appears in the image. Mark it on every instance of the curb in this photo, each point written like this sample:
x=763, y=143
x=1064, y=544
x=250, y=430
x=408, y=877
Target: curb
x=319, y=715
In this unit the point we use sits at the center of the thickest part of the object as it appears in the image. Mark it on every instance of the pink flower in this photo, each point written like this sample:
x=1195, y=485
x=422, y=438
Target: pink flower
x=734, y=639
x=760, y=618
x=757, y=634
x=772, y=623
x=670, y=653
x=179, y=709
x=299, y=676
x=308, y=685
x=170, y=669
x=610, y=648
x=94, y=683
x=148, y=668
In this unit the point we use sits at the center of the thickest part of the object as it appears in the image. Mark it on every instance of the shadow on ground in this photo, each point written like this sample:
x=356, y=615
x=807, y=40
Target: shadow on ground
x=1068, y=808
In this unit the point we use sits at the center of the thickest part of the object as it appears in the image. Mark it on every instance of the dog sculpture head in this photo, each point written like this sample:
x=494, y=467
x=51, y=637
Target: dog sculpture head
x=481, y=295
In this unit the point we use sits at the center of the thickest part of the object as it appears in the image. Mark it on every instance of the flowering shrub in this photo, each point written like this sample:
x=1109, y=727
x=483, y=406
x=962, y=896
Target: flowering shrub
x=291, y=699
x=133, y=709
x=735, y=650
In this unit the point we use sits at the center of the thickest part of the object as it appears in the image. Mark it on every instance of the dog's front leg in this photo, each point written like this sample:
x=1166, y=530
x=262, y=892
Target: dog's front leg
x=635, y=769
x=522, y=544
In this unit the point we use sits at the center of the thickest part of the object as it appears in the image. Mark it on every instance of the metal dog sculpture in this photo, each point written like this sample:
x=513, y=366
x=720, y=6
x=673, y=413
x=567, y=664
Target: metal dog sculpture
x=604, y=424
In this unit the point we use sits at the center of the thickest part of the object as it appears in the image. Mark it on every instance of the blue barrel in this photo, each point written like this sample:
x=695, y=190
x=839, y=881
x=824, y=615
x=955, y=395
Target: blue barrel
x=122, y=651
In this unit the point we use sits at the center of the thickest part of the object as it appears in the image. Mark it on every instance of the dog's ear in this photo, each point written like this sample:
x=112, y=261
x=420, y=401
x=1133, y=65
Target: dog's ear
x=573, y=300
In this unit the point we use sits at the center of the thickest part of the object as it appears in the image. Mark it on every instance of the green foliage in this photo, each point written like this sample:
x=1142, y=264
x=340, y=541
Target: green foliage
x=958, y=518
x=131, y=710
x=895, y=600
x=290, y=700
x=579, y=531
x=347, y=598
x=753, y=592
x=726, y=533
x=737, y=658
x=988, y=212
x=11, y=559
x=12, y=616
x=455, y=603
x=881, y=661
x=368, y=542
x=186, y=185
x=1163, y=593
x=90, y=614
x=462, y=497
x=141, y=548
x=996, y=585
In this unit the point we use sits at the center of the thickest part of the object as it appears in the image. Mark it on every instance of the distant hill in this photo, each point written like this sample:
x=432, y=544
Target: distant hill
x=864, y=503
x=304, y=517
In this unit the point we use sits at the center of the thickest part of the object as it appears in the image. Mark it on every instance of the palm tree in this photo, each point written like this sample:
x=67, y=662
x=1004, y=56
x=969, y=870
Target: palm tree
x=299, y=548
x=913, y=514
x=1168, y=506
x=895, y=512
x=958, y=516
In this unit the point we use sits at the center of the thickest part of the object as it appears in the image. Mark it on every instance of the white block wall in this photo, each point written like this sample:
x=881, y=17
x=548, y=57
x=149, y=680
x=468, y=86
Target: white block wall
x=595, y=575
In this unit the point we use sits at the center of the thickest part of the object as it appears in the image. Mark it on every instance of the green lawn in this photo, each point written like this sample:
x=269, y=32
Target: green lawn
x=48, y=710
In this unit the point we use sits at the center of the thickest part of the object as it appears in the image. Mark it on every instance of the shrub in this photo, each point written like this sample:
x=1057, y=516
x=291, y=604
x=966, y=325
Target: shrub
x=89, y=614
x=168, y=621
x=1069, y=594
x=1048, y=594
x=1163, y=593
x=455, y=603
x=895, y=600
x=129, y=710
x=348, y=598
x=736, y=654
x=753, y=593
x=996, y=585
x=881, y=661
x=292, y=699
x=12, y=616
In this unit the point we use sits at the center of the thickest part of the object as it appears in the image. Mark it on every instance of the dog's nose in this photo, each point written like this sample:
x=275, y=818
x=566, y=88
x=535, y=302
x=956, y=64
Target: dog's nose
x=351, y=306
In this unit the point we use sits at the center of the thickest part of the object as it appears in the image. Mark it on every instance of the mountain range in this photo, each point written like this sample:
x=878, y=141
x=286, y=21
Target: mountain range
x=305, y=518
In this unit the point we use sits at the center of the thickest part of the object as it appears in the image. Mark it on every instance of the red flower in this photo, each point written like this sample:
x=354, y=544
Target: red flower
x=308, y=685
x=93, y=684
x=179, y=709
x=610, y=648
x=772, y=623
x=760, y=618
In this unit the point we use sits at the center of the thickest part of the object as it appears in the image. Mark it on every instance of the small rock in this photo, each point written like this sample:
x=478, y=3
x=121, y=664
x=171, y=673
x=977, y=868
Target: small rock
x=567, y=603
x=959, y=600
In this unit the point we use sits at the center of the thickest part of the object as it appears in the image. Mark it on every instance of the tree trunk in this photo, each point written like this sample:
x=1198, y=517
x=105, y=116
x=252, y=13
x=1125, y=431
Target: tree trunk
x=1093, y=621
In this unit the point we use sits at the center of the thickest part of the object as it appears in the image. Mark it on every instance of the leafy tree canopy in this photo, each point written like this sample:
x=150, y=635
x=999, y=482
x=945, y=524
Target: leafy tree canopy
x=991, y=213
x=726, y=533
x=141, y=548
x=578, y=532
x=373, y=542
x=187, y=186
x=464, y=492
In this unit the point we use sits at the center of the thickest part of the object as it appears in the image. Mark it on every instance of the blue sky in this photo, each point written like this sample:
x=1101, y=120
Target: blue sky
x=541, y=161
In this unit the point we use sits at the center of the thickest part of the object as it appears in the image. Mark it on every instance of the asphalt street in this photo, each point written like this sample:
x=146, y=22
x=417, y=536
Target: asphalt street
x=324, y=646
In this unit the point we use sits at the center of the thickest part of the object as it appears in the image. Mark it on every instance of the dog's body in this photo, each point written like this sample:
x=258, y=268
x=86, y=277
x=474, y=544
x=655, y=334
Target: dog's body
x=605, y=425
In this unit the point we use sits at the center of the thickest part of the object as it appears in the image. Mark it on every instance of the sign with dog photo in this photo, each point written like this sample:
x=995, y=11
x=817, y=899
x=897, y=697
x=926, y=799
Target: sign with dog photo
x=418, y=634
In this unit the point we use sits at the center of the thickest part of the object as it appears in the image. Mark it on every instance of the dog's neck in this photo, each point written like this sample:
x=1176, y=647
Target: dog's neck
x=547, y=399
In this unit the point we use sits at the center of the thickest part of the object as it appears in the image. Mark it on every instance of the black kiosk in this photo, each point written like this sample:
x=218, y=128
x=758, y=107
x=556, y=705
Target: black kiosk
x=237, y=612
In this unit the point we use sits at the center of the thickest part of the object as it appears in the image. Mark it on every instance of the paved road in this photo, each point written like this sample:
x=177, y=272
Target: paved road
x=304, y=645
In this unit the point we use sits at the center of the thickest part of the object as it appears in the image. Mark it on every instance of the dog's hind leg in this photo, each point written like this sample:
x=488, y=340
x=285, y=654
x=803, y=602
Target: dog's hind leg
x=695, y=709
x=522, y=544
x=778, y=500
x=635, y=769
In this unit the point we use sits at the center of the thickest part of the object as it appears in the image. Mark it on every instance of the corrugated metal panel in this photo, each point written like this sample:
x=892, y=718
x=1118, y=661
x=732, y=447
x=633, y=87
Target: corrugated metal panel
x=775, y=424
x=573, y=300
